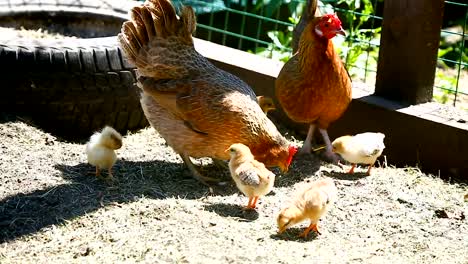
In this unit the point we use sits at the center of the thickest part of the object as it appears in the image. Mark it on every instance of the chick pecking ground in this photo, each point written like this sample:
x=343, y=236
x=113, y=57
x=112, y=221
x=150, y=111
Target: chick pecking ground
x=53, y=209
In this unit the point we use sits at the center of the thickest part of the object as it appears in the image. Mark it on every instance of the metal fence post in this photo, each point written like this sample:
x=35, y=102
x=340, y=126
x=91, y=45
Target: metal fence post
x=408, y=50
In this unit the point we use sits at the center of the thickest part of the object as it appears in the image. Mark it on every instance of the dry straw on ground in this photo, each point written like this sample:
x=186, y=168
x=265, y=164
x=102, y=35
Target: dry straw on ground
x=52, y=210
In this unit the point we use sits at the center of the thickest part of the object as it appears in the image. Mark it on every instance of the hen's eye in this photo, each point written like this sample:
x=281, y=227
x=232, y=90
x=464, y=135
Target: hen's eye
x=327, y=25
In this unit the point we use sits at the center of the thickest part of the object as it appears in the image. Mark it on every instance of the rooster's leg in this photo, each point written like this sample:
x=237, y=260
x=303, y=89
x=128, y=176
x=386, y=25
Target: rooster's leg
x=307, y=146
x=195, y=173
x=329, y=153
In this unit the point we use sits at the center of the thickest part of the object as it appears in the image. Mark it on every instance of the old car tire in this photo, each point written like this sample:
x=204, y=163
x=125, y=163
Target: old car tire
x=71, y=87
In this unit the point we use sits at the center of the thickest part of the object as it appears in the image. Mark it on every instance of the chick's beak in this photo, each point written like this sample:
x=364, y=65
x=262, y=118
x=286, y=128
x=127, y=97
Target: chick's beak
x=226, y=150
x=281, y=230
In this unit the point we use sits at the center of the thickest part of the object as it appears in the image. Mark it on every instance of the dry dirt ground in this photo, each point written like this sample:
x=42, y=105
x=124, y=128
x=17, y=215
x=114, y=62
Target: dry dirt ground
x=53, y=211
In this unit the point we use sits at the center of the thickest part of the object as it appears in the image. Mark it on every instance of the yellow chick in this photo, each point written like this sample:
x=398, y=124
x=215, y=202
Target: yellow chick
x=266, y=103
x=251, y=177
x=100, y=149
x=311, y=203
x=362, y=148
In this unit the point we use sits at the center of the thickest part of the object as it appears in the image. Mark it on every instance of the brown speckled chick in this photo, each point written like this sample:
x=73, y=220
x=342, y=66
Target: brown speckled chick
x=251, y=177
x=311, y=203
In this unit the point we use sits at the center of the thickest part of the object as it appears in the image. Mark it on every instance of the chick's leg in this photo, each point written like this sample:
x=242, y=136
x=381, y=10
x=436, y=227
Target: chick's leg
x=111, y=177
x=329, y=149
x=370, y=167
x=312, y=226
x=254, y=204
x=307, y=146
x=195, y=173
x=315, y=228
x=249, y=205
x=98, y=172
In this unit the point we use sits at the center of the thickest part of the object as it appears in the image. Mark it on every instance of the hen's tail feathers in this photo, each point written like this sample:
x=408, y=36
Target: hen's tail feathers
x=155, y=19
x=310, y=11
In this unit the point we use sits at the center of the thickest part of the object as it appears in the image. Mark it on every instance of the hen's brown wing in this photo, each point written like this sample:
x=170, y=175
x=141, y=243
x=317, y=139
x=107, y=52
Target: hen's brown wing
x=203, y=106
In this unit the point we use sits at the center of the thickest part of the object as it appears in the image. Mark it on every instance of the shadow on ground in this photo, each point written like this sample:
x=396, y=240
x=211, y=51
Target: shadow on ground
x=303, y=166
x=345, y=176
x=26, y=213
x=292, y=234
x=232, y=210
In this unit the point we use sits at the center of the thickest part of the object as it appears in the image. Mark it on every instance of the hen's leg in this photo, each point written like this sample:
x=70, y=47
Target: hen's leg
x=329, y=153
x=351, y=171
x=220, y=163
x=195, y=173
x=98, y=172
x=307, y=146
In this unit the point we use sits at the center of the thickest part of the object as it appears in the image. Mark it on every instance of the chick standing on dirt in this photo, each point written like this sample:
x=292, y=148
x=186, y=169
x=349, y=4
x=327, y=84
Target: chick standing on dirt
x=312, y=203
x=100, y=149
x=266, y=103
x=362, y=148
x=251, y=177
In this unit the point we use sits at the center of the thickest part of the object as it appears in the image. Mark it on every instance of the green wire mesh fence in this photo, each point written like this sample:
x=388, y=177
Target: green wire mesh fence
x=451, y=81
x=264, y=27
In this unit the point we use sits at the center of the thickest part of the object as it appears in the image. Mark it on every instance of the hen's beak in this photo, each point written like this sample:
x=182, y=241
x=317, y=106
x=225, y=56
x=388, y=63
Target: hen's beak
x=341, y=32
x=281, y=230
x=284, y=169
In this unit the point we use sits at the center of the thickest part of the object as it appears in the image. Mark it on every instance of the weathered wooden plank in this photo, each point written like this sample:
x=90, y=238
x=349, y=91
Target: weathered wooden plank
x=408, y=50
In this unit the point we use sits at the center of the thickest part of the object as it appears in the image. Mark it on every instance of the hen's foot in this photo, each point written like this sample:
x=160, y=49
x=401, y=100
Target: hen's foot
x=220, y=163
x=305, y=149
x=208, y=181
x=332, y=157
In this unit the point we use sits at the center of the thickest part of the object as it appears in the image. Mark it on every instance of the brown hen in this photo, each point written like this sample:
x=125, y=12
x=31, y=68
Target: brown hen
x=314, y=87
x=199, y=109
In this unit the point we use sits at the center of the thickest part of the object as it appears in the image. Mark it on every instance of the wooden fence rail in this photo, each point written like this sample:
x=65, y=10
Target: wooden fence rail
x=408, y=50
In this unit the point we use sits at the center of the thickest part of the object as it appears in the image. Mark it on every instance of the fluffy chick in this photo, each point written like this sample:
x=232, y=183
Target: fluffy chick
x=311, y=203
x=251, y=177
x=266, y=103
x=362, y=148
x=100, y=149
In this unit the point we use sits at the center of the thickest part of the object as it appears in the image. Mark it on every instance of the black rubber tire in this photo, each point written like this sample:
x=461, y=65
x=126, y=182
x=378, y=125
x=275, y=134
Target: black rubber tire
x=71, y=87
